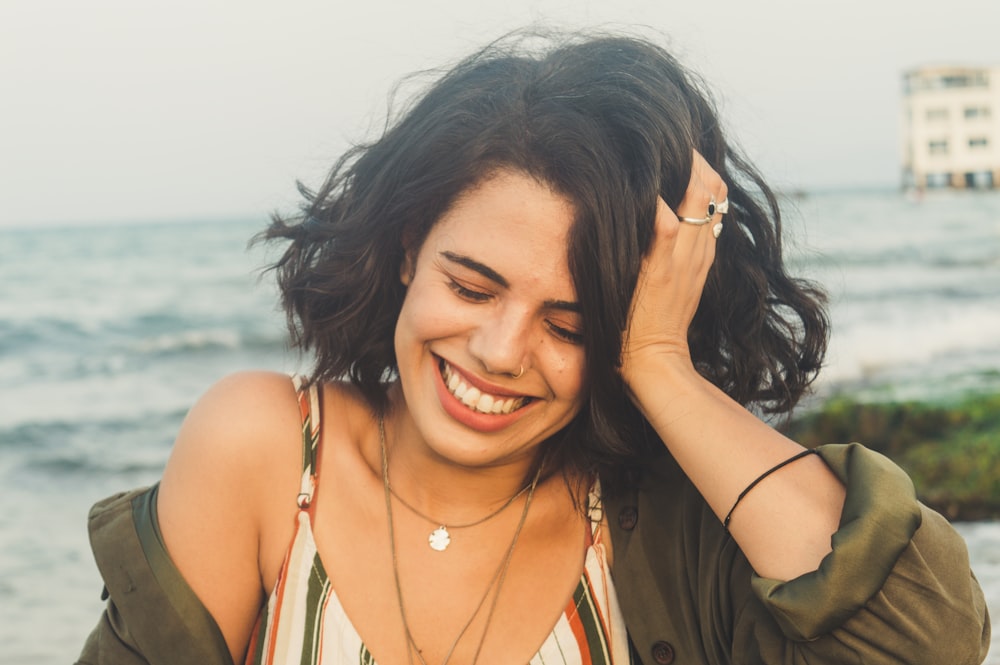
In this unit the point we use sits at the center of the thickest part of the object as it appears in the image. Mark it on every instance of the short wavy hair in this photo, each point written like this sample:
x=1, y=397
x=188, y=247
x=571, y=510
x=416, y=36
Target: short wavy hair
x=608, y=121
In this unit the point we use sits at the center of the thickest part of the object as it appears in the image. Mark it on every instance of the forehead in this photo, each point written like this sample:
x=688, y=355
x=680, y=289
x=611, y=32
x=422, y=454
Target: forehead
x=510, y=221
x=508, y=200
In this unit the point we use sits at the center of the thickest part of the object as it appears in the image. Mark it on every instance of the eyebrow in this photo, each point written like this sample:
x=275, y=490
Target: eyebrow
x=484, y=270
x=492, y=275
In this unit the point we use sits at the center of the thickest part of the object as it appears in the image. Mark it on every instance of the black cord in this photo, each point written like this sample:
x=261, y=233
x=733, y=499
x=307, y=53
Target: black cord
x=729, y=515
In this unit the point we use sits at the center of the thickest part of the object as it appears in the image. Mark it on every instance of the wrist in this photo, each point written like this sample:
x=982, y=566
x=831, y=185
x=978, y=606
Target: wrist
x=656, y=380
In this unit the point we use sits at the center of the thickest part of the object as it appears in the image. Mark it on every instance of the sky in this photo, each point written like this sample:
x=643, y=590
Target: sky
x=118, y=111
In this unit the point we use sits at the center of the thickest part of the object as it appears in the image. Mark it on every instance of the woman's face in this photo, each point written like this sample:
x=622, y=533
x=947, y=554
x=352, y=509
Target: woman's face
x=489, y=295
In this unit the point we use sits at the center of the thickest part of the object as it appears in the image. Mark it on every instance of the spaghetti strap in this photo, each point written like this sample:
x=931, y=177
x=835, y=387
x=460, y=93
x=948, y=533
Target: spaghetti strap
x=595, y=509
x=308, y=396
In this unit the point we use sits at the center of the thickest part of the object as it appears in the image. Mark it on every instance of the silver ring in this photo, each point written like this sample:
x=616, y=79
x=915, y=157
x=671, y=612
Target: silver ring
x=519, y=374
x=713, y=208
x=717, y=230
x=697, y=221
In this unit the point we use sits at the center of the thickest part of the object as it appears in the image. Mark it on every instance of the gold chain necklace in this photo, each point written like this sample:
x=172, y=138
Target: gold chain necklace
x=440, y=538
x=498, y=576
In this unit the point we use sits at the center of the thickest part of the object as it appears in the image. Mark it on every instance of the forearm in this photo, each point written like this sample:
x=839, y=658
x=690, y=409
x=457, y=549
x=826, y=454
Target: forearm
x=784, y=524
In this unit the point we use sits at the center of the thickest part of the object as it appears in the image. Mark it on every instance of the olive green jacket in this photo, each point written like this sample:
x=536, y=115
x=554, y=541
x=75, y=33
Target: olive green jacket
x=897, y=587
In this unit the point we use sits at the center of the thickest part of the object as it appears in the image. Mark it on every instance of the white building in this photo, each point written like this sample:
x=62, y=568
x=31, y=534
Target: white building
x=951, y=127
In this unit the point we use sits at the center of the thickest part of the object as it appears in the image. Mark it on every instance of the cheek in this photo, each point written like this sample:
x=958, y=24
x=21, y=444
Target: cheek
x=410, y=325
x=570, y=368
x=425, y=315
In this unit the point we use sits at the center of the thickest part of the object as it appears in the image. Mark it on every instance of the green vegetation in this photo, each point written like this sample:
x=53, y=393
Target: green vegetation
x=952, y=451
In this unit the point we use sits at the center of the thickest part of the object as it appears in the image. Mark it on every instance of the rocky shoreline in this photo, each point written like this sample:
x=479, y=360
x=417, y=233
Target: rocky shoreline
x=950, y=449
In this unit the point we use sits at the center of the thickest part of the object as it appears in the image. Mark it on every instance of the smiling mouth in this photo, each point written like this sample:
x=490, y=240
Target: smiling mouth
x=477, y=400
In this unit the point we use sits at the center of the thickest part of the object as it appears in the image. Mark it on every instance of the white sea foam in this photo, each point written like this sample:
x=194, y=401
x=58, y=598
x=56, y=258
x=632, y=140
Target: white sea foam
x=915, y=288
x=983, y=540
x=190, y=340
x=884, y=339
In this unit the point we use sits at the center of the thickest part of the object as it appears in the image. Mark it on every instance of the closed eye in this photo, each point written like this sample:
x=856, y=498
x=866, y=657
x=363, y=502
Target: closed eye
x=467, y=293
x=564, y=334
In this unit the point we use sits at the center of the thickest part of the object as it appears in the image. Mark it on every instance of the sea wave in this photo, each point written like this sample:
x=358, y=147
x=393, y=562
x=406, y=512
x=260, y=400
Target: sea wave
x=62, y=353
x=44, y=332
x=198, y=340
x=148, y=331
x=902, y=293
x=89, y=448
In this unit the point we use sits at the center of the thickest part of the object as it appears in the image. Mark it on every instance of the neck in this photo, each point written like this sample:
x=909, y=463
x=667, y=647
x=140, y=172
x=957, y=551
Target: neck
x=441, y=487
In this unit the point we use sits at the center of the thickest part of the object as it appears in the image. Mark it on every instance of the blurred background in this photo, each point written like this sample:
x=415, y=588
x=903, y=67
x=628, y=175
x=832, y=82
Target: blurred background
x=142, y=144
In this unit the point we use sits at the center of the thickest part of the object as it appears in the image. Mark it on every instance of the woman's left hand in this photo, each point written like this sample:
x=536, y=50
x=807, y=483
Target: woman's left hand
x=720, y=445
x=673, y=276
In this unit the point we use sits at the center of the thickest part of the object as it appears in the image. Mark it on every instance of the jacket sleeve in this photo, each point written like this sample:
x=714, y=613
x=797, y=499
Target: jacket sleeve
x=152, y=615
x=896, y=588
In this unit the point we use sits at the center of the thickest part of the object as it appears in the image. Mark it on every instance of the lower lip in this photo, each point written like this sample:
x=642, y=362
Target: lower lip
x=481, y=422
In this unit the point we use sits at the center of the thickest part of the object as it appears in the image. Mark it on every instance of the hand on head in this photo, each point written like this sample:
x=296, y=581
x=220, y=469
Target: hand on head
x=674, y=270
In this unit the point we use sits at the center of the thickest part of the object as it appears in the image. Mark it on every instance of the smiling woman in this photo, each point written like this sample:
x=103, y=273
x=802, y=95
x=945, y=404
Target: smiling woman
x=540, y=305
x=490, y=298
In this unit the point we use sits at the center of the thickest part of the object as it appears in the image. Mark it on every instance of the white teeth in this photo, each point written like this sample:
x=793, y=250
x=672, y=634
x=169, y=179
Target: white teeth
x=471, y=397
x=474, y=398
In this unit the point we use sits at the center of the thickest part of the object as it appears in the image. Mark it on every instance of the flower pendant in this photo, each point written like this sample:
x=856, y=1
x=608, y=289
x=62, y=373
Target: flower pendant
x=439, y=539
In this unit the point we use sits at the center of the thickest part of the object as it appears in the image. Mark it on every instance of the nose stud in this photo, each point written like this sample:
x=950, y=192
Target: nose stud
x=519, y=374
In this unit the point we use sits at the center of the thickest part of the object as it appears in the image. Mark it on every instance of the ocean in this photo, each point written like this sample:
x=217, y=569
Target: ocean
x=109, y=333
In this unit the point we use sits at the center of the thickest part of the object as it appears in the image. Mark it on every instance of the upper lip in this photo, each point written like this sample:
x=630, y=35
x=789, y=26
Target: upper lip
x=482, y=384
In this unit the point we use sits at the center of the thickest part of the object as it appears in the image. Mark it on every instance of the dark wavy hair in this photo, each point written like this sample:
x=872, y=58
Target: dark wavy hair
x=610, y=122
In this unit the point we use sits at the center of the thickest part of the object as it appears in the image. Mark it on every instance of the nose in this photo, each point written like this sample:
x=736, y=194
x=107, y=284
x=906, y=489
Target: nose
x=500, y=342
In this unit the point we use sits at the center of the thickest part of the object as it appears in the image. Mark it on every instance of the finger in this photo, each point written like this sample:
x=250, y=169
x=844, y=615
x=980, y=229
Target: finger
x=721, y=197
x=666, y=229
x=679, y=247
x=709, y=177
x=698, y=239
x=705, y=189
x=696, y=208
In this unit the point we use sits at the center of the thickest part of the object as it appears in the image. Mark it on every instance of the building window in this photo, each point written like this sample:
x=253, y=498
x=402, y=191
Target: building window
x=977, y=79
x=979, y=180
x=935, y=180
x=977, y=112
x=938, y=147
x=937, y=114
x=979, y=142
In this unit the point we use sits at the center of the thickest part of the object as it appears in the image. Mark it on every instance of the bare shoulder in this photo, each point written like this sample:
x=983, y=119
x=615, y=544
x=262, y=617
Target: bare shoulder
x=232, y=436
x=231, y=447
x=234, y=453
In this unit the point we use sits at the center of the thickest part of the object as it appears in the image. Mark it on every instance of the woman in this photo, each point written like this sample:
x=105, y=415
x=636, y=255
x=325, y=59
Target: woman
x=540, y=305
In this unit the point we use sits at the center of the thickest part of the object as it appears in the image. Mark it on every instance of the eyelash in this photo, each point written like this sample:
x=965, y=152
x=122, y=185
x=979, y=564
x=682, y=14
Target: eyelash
x=467, y=293
x=566, y=335
x=478, y=297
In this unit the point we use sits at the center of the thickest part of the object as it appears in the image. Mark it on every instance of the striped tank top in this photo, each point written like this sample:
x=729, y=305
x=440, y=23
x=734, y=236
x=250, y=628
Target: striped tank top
x=303, y=622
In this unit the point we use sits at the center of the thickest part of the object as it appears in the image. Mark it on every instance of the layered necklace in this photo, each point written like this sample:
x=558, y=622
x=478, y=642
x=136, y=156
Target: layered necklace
x=496, y=580
x=440, y=538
